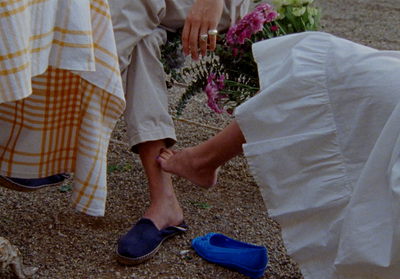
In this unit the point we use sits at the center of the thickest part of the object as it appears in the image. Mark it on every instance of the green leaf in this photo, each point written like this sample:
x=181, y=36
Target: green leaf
x=121, y=168
x=65, y=188
x=203, y=205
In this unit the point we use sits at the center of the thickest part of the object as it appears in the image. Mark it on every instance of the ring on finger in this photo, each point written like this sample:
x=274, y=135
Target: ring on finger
x=212, y=32
x=203, y=37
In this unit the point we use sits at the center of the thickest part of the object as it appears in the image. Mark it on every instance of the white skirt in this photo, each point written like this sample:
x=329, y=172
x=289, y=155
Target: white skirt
x=323, y=145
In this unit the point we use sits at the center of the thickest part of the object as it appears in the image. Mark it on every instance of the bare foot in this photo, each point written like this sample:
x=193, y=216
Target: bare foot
x=184, y=164
x=164, y=209
x=165, y=213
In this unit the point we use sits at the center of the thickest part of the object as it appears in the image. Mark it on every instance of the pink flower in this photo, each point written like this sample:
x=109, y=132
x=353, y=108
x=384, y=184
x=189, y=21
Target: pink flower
x=245, y=34
x=212, y=91
x=251, y=23
x=264, y=8
x=274, y=28
x=271, y=16
x=214, y=106
x=221, y=84
x=231, y=36
x=211, y=78
x=267, y=11
x=235, y=51
x=254, y=20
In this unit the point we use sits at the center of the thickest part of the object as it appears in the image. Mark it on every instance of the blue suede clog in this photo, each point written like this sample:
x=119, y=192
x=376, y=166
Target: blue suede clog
x=248, y=259
x=143, y=241
x=32, y=184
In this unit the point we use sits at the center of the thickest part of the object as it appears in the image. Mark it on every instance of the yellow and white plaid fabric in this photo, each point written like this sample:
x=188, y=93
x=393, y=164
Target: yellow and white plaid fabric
x=60, y=93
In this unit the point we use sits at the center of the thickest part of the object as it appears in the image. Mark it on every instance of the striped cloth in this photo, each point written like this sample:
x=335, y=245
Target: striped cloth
x=60, y=93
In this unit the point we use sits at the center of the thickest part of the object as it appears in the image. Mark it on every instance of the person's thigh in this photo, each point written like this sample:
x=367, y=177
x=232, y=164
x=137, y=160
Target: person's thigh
x=176, y=13
x=132, y=21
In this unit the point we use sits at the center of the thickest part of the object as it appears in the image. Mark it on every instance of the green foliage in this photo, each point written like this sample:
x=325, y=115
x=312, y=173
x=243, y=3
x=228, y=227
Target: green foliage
x=203, y=205
x=298, y=16
x=65, y=187
x=121, y=168
x=200, y=70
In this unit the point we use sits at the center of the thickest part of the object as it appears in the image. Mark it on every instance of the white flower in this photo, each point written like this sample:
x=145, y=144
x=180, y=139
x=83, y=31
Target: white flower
x=299, y=11
x=295, y=3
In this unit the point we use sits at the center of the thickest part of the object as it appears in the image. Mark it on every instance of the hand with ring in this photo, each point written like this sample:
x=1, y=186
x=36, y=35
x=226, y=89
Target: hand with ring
x=203, y=37
x=212, y=32
x=200, y=26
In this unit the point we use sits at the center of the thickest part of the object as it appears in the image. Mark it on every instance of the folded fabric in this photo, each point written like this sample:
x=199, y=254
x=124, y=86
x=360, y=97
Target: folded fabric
x=61, y=94
x=250, y=260
x=322, y=143
x=143, y=241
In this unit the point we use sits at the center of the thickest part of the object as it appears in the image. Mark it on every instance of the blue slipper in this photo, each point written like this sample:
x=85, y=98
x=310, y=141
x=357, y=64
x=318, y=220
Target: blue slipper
x=32, y=184
x=143, y=241
x=248, y=259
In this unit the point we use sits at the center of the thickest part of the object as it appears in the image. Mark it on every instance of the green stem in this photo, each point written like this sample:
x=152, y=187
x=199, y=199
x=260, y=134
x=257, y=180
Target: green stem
x=280, y=27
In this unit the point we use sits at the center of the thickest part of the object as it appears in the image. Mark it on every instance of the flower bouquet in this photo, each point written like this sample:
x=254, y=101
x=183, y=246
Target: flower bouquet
x=229, y=76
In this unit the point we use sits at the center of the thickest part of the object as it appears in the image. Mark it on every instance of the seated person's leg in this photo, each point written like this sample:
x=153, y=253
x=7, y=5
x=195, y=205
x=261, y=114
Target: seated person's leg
x=150, y=128
x=149, y=125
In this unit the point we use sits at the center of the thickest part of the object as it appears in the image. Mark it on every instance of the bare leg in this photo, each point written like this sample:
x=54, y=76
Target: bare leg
x=164, y=209
x=199, y=164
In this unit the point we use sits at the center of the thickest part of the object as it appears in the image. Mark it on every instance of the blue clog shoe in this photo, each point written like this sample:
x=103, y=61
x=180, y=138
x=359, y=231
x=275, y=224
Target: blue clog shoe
x=143, y=241
x=250, y=260
x=32, y=184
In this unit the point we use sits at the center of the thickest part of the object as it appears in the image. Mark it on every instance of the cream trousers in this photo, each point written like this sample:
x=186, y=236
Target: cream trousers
x=140, y=29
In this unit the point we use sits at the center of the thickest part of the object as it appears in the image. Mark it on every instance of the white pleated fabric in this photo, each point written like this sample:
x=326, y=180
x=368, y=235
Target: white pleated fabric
x=60, y=93
x=323, y=145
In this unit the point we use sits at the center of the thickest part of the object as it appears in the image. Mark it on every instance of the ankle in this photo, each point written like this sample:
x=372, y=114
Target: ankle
x=165, y=215
x=204, y=159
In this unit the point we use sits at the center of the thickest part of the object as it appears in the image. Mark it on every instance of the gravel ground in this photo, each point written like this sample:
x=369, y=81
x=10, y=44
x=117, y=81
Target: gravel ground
x=65, y=244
